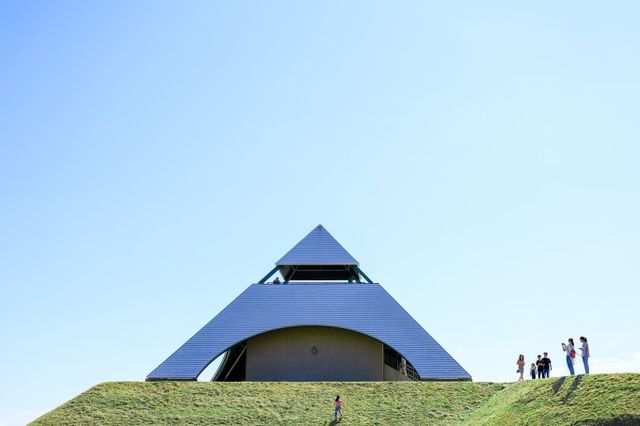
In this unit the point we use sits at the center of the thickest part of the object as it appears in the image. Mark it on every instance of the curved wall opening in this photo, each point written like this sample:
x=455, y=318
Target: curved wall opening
x=311, y=353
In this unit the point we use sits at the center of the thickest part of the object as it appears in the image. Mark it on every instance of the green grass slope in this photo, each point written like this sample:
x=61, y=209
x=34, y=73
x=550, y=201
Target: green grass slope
x=604, y=399
x=582, y=400
x=198, y=403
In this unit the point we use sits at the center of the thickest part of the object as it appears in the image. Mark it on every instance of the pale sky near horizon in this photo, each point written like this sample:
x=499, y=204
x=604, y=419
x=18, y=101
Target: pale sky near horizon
x=479, y=160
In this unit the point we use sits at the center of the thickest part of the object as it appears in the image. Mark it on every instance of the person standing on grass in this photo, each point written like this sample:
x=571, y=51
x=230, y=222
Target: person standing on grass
x=585, y=354
x=338, y=404
x=546, y=366
x=520, y=363
x=570, y=352
x=533, y=371
x=540, y=367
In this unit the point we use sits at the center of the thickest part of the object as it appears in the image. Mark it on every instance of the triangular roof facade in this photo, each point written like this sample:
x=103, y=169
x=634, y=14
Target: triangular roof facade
x=317, y=248
x=364, y=308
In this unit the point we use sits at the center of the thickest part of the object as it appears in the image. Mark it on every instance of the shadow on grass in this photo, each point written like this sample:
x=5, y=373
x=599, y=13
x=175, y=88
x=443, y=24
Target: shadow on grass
x=572, y=388
x=617, y=421
x=335, y=422
x=557, y=385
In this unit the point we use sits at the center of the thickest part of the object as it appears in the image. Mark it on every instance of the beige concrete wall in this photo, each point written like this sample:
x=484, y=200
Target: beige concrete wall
x=288, y=355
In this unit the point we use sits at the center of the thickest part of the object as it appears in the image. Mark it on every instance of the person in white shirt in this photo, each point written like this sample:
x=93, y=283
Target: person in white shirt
x=585, y=354
x=569, y=349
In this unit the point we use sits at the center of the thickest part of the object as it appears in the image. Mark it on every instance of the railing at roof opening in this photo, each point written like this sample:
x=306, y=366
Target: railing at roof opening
x=394, y=360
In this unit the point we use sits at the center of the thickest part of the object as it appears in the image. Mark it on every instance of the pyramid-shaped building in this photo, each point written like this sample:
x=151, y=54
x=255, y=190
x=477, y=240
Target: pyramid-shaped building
x=326, y=321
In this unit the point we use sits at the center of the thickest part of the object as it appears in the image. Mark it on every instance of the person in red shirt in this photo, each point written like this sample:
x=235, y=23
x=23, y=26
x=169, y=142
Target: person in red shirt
x=338, y=404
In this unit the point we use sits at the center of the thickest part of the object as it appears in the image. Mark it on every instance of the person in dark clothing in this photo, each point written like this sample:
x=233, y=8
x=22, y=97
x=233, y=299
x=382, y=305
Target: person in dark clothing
x=533, y=371
x=546, y=366
x=540, y=367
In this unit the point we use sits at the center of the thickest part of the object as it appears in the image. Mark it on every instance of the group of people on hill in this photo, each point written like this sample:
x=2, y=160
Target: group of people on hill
x=570, y=352
x=542, y=367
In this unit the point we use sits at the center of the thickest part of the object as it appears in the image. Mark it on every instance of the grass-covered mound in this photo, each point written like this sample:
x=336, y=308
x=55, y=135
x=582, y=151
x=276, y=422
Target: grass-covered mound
x=604, y=399
x=198, y=403
x=581, y=400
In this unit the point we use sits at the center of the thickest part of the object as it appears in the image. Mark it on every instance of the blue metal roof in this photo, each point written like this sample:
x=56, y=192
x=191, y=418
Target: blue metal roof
x=317, y=248
x=363, y=308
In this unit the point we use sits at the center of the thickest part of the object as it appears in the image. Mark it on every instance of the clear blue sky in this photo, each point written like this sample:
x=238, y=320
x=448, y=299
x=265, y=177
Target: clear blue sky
x=479, y=160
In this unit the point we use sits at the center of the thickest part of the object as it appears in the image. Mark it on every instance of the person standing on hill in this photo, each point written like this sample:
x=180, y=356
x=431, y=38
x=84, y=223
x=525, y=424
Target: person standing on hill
x=570, y=351
x=338, y=404
x=520, y=363
x=540, y=367
x=533, y=371
x=585, y=354
x=546, y=366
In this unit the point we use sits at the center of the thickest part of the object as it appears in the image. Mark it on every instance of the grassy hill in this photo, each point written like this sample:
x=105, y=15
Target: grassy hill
x=604, y=399
x=580, y=400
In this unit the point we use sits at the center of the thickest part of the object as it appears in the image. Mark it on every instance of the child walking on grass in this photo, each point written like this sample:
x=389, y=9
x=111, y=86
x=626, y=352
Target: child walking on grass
x=338, y=404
